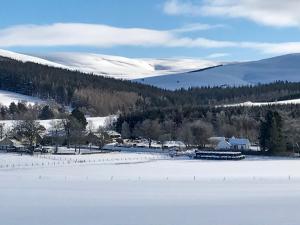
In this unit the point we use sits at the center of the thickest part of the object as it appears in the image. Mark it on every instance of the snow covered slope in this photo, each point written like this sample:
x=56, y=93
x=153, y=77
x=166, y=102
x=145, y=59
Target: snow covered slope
x=126, y=68
x=27, y=58
x=112, y=66
x=7, y=97
x=285, y=67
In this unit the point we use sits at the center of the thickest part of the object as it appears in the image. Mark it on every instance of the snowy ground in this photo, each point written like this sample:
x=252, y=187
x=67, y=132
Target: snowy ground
x=148, y=189
x=250, y=104
x=7, y=97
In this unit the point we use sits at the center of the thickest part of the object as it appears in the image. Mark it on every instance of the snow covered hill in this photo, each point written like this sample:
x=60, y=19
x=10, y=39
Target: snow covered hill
x=285, y=67
x=113, y=66
x=126, y=68
x=28, y=58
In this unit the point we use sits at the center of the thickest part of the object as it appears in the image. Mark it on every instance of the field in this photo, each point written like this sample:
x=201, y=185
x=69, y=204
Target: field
x=147, y=189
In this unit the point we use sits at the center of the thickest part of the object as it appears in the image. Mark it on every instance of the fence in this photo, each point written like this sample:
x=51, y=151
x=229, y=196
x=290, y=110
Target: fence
x=53, y=161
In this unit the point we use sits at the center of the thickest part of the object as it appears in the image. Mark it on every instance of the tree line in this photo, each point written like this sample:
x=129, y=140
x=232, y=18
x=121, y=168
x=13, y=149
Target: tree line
x=275, y=128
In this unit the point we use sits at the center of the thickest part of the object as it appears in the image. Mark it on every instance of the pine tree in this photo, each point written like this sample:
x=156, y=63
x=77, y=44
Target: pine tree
x=79, y=116
x=271, y=137
x=46, y=113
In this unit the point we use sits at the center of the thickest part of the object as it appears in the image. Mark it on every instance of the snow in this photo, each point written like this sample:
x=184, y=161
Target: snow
x=7, y=97
x=113, y=66
x=126, y=68
x=134, y=189
x=249, y=103
x=93, y=122
x=28, y=58
x=282, y=68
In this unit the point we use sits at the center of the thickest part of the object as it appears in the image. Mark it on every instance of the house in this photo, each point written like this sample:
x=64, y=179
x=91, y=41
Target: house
x=223, y=144
x=239, y=143
x=113, y=134
x=11, y=144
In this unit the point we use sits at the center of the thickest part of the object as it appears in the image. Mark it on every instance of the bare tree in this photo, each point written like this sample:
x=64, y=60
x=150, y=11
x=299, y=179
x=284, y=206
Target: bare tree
x=30, y=130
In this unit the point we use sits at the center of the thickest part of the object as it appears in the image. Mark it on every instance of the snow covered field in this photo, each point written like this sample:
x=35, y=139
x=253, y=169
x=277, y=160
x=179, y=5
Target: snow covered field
x=7, y=97
x=149, y=189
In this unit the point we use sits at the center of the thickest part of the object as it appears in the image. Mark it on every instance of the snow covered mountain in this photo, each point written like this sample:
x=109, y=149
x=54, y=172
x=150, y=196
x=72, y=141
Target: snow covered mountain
x=125, y=68
x=112, y=66
x=286, y=67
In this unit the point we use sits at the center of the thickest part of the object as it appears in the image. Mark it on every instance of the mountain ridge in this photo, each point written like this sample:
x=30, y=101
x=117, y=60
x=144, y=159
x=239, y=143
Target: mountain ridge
x=279, y=68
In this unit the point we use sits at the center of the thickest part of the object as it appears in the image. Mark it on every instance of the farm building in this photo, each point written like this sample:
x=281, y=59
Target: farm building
x=10, y=144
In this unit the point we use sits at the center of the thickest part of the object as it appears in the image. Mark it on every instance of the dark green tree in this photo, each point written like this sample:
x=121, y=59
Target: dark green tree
x=79, y=116
x=13, y=108
x=46, y=113
x=271, y=135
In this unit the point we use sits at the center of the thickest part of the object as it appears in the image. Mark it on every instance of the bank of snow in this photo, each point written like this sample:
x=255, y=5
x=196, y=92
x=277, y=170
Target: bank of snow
x=7, y=97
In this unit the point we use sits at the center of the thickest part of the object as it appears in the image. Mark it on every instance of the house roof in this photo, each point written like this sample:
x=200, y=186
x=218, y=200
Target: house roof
x=223, y=145
x=113, y=133
x=239, y=141
x=11, y=141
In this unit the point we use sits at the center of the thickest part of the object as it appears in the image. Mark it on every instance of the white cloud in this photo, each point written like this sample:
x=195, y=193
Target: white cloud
x=71, y=34
x=76, y=34
x=273, y=48
x=197, y=27
x=277, y=13
x=218, y=55
x=177, y=7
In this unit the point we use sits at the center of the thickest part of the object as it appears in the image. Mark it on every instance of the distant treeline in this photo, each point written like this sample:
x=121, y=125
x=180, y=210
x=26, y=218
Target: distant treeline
x=276, y=127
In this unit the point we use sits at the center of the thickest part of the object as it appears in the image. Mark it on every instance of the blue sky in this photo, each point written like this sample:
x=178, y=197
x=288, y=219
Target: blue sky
x=213, y=29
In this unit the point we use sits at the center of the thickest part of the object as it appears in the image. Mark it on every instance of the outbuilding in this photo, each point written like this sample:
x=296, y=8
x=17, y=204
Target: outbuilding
x=11, y=144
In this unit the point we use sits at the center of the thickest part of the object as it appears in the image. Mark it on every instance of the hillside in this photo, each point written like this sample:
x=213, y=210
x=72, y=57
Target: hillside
x=284, y=68
x=97, y=95
x=125, y=68
x=112, y=66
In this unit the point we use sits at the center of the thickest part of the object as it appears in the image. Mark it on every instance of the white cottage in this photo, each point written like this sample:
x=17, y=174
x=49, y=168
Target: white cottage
x=239, y=143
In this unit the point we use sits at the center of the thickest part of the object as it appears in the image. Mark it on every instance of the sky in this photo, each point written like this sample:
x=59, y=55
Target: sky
x=221, y=30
